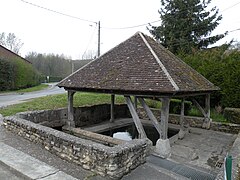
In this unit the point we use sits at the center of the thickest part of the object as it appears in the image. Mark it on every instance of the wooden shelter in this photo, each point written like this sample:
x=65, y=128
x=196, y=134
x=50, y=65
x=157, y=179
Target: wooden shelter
x=143, y=68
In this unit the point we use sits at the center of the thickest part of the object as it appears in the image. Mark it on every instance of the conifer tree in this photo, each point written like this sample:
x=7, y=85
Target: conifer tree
x=187, y=25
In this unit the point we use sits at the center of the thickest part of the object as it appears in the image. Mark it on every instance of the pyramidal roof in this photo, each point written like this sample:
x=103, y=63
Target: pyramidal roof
x=139, y=66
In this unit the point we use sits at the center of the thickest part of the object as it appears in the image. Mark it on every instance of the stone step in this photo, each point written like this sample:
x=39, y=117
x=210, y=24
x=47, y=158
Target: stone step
x=28, y=167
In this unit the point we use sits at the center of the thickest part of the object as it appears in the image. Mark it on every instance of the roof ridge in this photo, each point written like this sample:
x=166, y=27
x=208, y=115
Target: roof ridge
x=160, y=63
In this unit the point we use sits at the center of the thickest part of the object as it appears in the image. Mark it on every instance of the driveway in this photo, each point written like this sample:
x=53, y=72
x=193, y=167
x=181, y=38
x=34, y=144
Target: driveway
x=7, y=99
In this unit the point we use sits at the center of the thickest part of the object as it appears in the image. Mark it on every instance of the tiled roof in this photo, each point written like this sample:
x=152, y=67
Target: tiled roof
x=139, y=66
x=7, y=54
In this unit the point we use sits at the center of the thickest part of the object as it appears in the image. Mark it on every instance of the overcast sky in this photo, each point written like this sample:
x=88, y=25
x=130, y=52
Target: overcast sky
x=43, y=31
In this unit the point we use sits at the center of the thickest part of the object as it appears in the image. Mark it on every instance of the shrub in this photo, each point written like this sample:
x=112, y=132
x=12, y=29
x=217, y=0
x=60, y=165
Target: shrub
x=221, y=67
x=17, y=74
x=175, y=106
x=6, y=75
x=232, y=115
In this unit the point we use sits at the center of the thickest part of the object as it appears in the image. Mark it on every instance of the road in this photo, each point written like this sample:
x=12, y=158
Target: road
x=16, y=98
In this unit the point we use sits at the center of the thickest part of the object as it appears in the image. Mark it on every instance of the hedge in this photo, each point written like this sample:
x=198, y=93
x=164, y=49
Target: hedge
x=232, y=115
x=175, y=106
x=17, y=74
x=221, y=67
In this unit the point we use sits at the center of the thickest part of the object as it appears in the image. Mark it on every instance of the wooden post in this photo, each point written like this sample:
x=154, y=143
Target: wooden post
x=205, y=111
x=207, y=119
x=182, y=114
x=182, y=125
x=112, y=107
x=70, y=122
x=135, y=117
x=207, y=106
x=164, y=116
x=151, y=116
x=135, y=102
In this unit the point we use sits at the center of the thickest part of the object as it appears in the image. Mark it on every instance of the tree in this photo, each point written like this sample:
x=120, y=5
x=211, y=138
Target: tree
x=11, y=42
x=186, y=25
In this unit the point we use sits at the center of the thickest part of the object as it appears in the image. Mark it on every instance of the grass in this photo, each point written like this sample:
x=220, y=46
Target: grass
x=85, y=99
x=31, y=89
x=59, y=101
x=217, y=117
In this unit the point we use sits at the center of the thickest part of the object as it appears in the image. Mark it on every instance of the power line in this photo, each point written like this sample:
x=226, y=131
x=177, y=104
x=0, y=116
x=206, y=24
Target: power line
x=230, y=7
x=234, y=30
x=86, y=20
x=58, y=12
x=90, y=40
x=130, y=27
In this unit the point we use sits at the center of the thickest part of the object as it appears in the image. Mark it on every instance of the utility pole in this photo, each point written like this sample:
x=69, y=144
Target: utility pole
x=98, y=39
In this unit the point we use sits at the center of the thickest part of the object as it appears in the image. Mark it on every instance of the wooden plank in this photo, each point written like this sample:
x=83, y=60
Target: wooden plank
x=94, y=137
x=70, y=121
x=164, y=116
x=135, y=117
x=151, y=115
x=112, y=107
x=106, y=125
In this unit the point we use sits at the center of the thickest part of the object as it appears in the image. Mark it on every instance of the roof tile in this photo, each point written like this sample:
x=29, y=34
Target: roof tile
x=132, y=67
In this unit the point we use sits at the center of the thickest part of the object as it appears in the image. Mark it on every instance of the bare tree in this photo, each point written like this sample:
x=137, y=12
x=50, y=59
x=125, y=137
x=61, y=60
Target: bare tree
x=89, y=54
x=11, y=42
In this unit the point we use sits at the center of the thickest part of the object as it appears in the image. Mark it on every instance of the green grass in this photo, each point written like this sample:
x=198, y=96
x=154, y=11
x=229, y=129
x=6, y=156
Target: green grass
x=31, y=89
x=85, y=99
x=59, y=101
x=217, y=117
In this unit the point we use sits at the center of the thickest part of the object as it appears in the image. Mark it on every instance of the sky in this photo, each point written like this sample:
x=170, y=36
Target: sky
x=44, y=31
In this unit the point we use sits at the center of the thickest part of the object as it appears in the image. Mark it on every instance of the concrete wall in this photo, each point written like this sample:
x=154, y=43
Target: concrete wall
x=105, y=160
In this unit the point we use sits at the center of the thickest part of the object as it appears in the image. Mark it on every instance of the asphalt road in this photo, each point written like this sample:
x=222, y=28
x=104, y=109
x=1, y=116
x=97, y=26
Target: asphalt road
x=16, y=98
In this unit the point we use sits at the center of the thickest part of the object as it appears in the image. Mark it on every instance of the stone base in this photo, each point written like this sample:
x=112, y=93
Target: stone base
x=207, y=123
x=182, y=133
x=163, y=148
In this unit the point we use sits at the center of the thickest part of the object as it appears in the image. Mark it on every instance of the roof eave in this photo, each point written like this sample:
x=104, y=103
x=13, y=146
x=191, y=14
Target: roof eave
x=142, y=93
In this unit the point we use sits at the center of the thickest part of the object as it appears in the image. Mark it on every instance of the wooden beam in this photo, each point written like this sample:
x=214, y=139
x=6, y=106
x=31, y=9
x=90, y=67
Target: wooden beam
x=207, y=105
x=182, y=131
x=164, y=116
x=182, y=114
x=135, y=117
x=112, y=107
x=205, y=111
x=151, y=116
x=135, y=102
x=207, y=119
x=70, y=121
x=199, y=107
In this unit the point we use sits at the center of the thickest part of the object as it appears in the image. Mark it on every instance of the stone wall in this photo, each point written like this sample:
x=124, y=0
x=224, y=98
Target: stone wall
x=234, y=152
x=89, y=115
x=105, y=160
x=83, y=116
x=194, y=121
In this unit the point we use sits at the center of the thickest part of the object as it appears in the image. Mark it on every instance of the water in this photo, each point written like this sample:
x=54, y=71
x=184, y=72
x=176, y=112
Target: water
x=128, y=133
